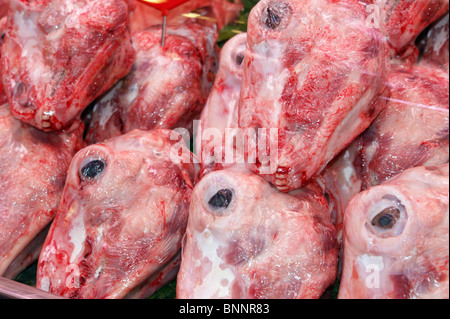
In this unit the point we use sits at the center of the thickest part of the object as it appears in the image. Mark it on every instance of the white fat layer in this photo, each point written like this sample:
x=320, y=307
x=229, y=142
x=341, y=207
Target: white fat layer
x=77, y=236
x=370, y=262
x=348, y=183
x=108, y=106
x=45, y=284
x=27, y=31
x=348, y=173
x=350, y=124
x=98, y=271
x=133, y=93
x=271, y=51
x=268, y=63
x=442, y=36
x=107, y=112
x=20, y=150
x=219, y=280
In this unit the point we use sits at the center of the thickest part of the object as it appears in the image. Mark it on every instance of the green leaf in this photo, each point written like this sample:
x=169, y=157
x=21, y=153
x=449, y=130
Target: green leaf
x=169, y=291
x=238, y=26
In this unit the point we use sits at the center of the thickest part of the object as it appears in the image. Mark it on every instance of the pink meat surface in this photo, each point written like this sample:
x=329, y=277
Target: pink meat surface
x=122, y=216
x=59, y=55
x=168, y=86
x=315, y=71
x=411, y=131
x=220, y=115
x=33, y=168
x=397, y=238
x=247, y=240
x=437, y=43
x=4, y=4
x=404, y=20
x=414, y=128
x=3, y=19
x=340, y=181
x=222, y=12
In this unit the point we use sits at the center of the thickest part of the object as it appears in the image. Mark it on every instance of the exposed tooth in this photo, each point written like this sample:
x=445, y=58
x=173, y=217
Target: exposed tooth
x=281, y=176
x=46, y=124
x=282, y=188
x=282, y=182
x=282, y=170
x=45, y=117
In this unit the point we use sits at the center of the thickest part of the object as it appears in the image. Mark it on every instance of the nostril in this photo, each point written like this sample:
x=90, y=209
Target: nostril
x=21, y=99
x=20, y=92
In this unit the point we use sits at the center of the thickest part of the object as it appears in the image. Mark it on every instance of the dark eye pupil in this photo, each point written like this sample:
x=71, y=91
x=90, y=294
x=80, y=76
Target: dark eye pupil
x=222, y=199
x=273, y=19
x=92, y=169
x=274, y=14
x=240, y=58
x=387, y=218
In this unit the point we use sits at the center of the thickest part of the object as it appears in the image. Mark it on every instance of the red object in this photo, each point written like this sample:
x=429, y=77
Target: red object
x=164, y=6
x=76, y=72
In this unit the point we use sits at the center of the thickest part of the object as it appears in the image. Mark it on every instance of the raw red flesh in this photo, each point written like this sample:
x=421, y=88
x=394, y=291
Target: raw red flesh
x=436, y=48
x=408, y=259
x=222, y=12
x=221, y=110
x=315, y=71
x=264, y=244
x=168, y=86
x=412, y=131
x=3, y=20
x=404, y=20
x=4, y=4
x=119, y=232
x=320, y=79
x=33, y=168
x=59, y=55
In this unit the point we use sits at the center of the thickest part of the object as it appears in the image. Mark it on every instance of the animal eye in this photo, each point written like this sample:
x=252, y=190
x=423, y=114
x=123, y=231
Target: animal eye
x=221, y=199
x=92, y=169
x=240, y=58
x=387, y=218
x=275, y=14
